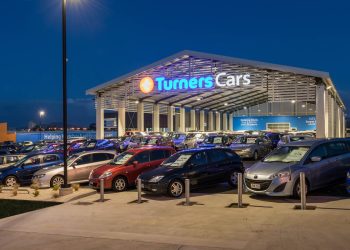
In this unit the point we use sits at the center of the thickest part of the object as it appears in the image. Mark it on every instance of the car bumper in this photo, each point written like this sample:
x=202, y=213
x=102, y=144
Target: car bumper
x=42, y=182
x=275, y=187
x=95, y=183
x=153, y=188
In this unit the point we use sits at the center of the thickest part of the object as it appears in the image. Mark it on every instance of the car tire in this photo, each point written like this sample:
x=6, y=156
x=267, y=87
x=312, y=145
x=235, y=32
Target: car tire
x=119, y=184
x=255, y=156
x=10, y=181
x=296, y=189
x=176, y=188
x=233, y=179
x=57, y=180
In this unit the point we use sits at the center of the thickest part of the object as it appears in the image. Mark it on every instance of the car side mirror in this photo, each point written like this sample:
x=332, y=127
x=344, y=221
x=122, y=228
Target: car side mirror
x=134, y=163
x=316, y=158
x=74, y=164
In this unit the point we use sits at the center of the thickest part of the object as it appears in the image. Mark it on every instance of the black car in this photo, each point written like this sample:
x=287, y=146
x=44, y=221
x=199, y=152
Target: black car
x=203, y=166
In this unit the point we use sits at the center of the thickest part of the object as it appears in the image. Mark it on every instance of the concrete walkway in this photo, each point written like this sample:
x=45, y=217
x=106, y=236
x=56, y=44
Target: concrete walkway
x=161, y=223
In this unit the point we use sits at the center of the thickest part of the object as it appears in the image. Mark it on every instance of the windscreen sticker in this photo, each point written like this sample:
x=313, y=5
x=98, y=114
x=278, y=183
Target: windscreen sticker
x=296, y=154
x=180, y=161
x=217, y=140
x=251, y=140
x=124, y=159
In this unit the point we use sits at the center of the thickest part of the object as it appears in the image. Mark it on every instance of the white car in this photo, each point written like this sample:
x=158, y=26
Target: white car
x=8, y=160
x=292, y=138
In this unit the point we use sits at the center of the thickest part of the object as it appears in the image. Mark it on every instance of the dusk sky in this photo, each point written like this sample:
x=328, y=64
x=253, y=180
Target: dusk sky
x=107, y=38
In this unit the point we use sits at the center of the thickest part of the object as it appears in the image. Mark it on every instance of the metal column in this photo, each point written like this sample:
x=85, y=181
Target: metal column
x=156, y=117
x=321, y=112
x=140, y=117
x=121, y=121
x=100, y=127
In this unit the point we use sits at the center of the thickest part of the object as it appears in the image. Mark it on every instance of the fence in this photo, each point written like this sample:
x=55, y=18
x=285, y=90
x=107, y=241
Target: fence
x=58, y=135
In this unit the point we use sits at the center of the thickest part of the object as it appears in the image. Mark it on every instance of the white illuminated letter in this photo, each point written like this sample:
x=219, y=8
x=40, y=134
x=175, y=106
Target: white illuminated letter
x=246, y=79
x=217, y=79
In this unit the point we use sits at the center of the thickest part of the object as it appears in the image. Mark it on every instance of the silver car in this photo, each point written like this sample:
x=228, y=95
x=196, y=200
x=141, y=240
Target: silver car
x=251, y=146
x=79, y=167
x=323, y=161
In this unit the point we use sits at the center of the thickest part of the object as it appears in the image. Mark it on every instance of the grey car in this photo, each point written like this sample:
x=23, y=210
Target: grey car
x=252, y=146
x=8, y=160
x=79, y=167
x=323, y=161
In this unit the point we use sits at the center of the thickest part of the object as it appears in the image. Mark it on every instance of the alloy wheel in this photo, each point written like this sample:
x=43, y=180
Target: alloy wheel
x=119, y=184
x=298, y=189
x=176, y=188
x=11, y=181
x=57, y=180
x=234, y=178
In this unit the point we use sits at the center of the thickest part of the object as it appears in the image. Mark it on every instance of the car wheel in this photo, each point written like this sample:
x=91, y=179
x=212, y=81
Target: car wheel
x=57, y=180
x=10, y=181
x=255, y=156
x=296, y=189
x=176, y=188
x=233, y=181
x=119, y=184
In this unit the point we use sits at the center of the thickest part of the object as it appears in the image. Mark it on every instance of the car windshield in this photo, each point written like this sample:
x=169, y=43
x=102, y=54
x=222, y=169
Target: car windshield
x=245, y=140
x=287, y=154
x=20, y=162
x=179, y=136
x=213, y=140
x=71, y=159
x=177, y=160
x=122, y=158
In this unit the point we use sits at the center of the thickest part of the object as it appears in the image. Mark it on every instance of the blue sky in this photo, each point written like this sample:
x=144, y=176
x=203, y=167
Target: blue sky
x=107, y=38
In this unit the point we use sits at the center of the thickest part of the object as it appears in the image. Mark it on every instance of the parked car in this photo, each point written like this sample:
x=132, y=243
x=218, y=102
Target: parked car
x=292, y=138
x=92, y=145
x=203, y=166
x=22, y=171
x=251, y=146
x=124, y=169
x=155, y=141
x=193, y=139
x=8, y=160
x=274, y=137
x=79, y=167
x=128, y=142
x=31, y=148
x=177, y=140
x=323, y=162
x=212, y=141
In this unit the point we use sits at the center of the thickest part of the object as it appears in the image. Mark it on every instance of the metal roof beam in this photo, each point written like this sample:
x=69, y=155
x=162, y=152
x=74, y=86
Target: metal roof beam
x=235, y=108
x=182, y=99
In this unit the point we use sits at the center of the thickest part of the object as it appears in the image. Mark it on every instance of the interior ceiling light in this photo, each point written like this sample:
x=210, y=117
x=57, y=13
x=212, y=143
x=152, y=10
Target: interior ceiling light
x=292, y=101
x=329, y=87
x=226, y=104
x=198, y=99
x=303, y=106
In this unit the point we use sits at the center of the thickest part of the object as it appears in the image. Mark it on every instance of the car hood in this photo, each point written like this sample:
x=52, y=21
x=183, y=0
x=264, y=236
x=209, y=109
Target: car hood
x=11, y=167
x=240, y=146
x=160, y=171
x=207, y=145
x=269, y=168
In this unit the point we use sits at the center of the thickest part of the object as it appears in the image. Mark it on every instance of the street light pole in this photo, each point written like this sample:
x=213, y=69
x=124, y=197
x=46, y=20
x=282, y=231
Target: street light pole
x=64, y=96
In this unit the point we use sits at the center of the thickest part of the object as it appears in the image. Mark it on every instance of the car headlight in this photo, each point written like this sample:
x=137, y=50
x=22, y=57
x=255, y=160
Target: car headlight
x=0, y=173
x=156, y=178
x=246, y=150
x=283, y=176
x=39, y=176
x=105, y=174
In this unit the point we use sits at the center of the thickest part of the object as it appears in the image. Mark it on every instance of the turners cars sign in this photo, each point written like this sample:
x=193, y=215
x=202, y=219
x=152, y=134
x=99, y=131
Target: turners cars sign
x=220, y=80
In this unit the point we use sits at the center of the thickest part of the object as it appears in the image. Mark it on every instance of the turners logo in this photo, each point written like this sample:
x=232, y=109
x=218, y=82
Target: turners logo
x=146, y=85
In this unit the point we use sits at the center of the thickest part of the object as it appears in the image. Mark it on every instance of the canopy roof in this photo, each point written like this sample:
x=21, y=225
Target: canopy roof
x=269, y=83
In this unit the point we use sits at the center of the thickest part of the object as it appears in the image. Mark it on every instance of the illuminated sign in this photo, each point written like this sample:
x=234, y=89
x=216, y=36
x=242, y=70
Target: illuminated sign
x=146, y=85
x=221, y=80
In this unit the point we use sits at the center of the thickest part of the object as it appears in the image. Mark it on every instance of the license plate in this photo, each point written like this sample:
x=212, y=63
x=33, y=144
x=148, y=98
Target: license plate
x=257, y=186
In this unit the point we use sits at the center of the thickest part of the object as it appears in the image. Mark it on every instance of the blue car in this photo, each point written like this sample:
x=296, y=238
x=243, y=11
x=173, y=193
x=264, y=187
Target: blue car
x=21, y=172
x=100, y=144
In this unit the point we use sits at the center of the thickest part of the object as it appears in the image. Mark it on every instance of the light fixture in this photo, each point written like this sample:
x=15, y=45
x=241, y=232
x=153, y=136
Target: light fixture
x=41, y=113
x=292, y=101
x=245, y=107
x=136, y=101
x=225, y=103
x=329, y=87
x=198, y=99
x=259, y=110
x=303, y=106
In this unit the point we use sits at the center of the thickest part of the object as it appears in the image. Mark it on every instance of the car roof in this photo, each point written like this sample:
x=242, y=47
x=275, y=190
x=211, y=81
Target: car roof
x=316, y=142
x=194, y=150
x=95, y=151
x=137, y=150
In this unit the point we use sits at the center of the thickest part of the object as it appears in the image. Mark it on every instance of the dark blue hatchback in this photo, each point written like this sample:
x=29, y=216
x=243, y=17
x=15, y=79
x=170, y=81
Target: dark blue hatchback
x=22, y=171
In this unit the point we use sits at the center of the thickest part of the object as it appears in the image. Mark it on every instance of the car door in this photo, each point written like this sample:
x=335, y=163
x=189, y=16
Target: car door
x=98, y=159
x=318, y=172
x=28, y=168
x=157, y=156
x=77, y=170
x=197, y=169
x=338, y=155
x=142, y=163
x=217, y=167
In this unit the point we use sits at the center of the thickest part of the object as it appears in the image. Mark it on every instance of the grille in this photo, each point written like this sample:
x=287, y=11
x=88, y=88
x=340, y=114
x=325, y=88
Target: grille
x=263, y=184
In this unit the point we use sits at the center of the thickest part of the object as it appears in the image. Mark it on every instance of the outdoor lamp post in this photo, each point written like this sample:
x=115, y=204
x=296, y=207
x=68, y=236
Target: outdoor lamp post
x=41, y=115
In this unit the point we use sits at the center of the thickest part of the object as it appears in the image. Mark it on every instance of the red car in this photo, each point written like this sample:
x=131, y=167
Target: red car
x=123, y=171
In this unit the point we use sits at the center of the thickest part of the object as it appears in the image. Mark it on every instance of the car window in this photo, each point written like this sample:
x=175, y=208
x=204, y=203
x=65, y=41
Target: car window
x=336, y=148
x=167, y=153
x=50, y=158
x=2, y=160
x=110, y=156
x=99, y=157
x=217, y=155
x=142, y=157
x=319, y=151
x=32, y=161
x=199, y=159
x=85, y=159
x=157, y=155
x=231, y=155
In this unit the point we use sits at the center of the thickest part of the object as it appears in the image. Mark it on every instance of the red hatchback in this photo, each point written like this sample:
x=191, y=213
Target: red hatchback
x=123, y=171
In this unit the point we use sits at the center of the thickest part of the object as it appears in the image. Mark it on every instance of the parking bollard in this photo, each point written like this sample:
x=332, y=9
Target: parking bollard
x=187, y=192
x=139, y=197
x=302, y=191
x=240, y=190
x=102, y=190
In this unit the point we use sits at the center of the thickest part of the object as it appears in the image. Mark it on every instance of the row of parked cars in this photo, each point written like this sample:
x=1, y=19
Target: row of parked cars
x=162, y=169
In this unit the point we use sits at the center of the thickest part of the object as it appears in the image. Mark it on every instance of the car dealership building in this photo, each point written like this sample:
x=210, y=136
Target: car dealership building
x=199, y=91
